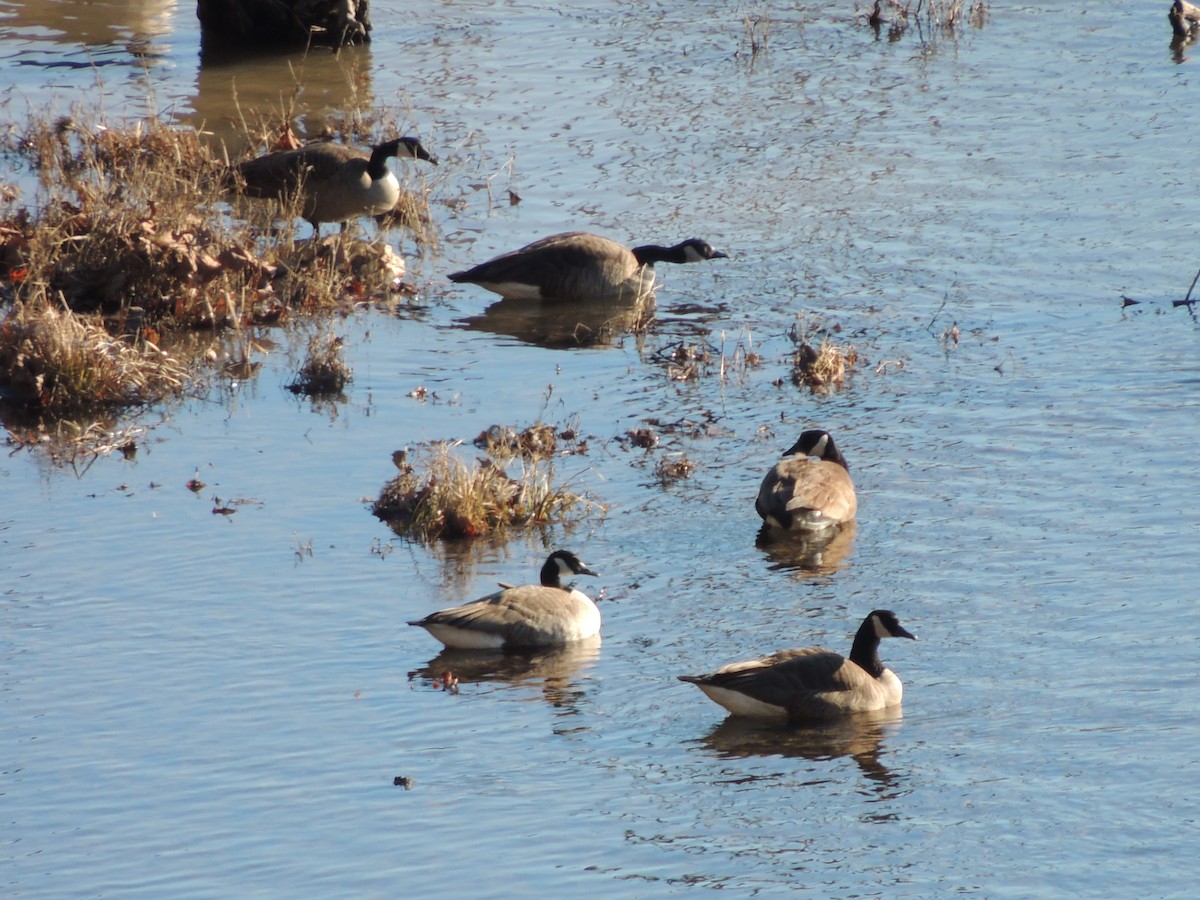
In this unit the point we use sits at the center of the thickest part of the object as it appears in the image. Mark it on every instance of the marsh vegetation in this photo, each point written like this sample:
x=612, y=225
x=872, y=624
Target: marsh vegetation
x=132, y=244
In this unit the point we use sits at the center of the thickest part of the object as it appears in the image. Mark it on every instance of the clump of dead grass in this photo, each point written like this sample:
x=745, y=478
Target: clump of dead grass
x=685, y=361
x=536, y=442
x=445, y=497
x=741, y=359
x=325, y=371
x=825, y=366
x=821, y=365
x=55, y=363
x=674, y=468
x=122, y=224
x=128, y=232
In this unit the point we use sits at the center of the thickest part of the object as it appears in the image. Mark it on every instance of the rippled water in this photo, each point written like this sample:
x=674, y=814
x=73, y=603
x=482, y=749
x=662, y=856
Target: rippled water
x=198, y=704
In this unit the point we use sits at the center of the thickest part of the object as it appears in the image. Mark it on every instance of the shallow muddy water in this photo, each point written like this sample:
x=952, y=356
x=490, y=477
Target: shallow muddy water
x=195, y=704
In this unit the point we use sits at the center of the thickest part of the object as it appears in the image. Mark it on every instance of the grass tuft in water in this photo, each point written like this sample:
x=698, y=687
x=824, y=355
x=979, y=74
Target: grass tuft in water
x=325, y=371
x=536, y=442
x=444, y=497
x=56, y=363
x=823, y=366
x=674, y=468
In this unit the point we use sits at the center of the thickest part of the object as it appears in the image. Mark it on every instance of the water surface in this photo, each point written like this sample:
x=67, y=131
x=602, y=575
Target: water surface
x=198, y=704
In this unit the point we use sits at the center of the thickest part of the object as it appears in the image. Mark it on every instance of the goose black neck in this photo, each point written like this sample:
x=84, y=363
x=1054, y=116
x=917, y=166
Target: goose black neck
x=377, y=167
x=865, y=650
x=649, y=254
x=834, y=455
x=551, y=576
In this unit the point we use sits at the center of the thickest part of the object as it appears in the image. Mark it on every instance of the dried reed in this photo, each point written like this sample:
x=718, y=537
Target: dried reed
x=324, y=372
x=825, y=366
x=56, y=363
x=454, y=499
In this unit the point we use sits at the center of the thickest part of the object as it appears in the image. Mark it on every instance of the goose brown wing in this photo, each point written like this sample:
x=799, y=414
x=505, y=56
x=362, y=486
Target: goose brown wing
x=798, y=484
x=282, y=173
x=792, y=679
x=324, y=161
x=553, y=262
x=518, y=614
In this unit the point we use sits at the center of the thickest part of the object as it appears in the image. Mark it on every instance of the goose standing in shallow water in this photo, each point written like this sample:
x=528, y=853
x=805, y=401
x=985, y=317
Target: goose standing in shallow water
x=335, y=182
x=580, y=266
x=531, y=615
x=808, y=495
x=813, y=683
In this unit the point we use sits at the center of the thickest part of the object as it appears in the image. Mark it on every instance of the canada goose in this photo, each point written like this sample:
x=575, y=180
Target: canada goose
x=579, y=266
x=810, y=495
x=531, y=615
x=335, y=182
x=812, y=683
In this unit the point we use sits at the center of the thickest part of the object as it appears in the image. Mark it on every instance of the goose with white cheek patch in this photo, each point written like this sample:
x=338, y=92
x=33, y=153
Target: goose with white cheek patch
x=577, y=265
x=335, y=182
x=813, y=683
x=523, y=617
x=807, y=494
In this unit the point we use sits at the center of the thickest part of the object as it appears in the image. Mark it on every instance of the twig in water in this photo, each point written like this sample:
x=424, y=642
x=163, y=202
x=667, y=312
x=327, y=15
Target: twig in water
x=1187, y=300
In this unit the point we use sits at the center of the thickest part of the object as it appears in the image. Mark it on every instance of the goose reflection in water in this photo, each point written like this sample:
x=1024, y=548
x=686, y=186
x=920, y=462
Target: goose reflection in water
x=859, y=737
x=557, y=673
x=558, y=325
x=807, y=554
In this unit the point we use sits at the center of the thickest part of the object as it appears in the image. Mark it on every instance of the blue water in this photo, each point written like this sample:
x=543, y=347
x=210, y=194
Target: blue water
x=195, y=704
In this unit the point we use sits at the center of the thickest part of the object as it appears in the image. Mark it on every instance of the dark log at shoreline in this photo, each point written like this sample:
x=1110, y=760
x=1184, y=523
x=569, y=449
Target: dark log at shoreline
x=233, y=24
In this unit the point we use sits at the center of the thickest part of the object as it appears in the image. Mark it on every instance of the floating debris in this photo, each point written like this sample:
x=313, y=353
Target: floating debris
x=669, y=470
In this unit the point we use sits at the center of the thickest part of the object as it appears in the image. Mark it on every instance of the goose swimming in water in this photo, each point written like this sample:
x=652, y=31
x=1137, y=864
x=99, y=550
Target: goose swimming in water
x=531, y=615
x=577, y=265
x=813, y=683
x=335, y=182
x=808, y=495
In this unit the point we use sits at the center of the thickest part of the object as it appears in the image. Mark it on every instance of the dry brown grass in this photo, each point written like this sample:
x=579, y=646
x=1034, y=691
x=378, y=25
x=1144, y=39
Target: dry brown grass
x=819, y=361
x=56, y=363
x=536, y=442
x=450, y=498
x=756, y=26
x=741, y=359
x=674, y=468
x=325, y=371
x=825, y=366
x=123, y=223
x=685, y=361
x=127, y=246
